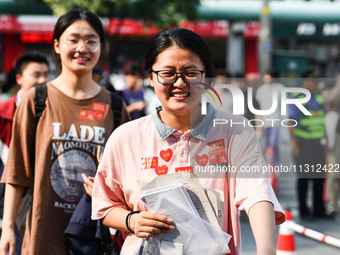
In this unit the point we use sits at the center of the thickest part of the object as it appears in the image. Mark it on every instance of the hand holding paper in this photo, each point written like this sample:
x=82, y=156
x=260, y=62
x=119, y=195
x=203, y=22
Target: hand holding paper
x=191, y=233
x=148, y=224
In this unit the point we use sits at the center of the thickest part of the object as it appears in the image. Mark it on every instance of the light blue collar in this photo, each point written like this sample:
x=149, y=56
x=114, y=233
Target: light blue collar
x=200, y=131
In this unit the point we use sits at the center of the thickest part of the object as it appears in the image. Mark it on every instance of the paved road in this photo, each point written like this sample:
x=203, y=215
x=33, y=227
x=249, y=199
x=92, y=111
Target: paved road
x=287, y=199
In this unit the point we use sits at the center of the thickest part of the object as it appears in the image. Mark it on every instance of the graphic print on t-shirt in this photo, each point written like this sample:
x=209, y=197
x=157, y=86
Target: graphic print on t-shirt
x=160, y=164
x=202, y=160
x=184, y=169
x=161, y=170
x=166, y=155
x=149, y=162
x=98, y=110
x=74, y=152
x=66, y=173
x=217, y=152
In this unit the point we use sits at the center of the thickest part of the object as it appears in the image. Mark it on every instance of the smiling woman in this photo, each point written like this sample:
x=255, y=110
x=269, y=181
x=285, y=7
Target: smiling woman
x=175, y=138
x=58, y=155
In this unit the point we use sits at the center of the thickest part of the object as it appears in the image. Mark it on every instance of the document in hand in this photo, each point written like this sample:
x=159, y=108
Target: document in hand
x=202, y=200
x=192, y=235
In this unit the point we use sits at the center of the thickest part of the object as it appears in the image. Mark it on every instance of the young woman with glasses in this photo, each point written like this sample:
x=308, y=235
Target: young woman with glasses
x=54, y=154
x=171, y=140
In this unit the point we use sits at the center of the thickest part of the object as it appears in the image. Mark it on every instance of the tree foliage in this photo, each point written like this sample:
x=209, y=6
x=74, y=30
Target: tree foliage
x=163, y=13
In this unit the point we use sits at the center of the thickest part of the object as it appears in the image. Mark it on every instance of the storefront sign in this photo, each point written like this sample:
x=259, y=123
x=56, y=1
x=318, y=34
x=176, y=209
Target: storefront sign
x=8, y=24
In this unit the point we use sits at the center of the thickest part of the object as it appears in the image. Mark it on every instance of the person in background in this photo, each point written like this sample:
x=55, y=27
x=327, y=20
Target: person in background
x=133, y=93
x=223, y=77
x=58, y=155
x=308, y=142
x=9, y=87
x=271, y=130
x=31, y=69
x=176, y=63
x=239, y=81
x=333, y=180
x=102, y=79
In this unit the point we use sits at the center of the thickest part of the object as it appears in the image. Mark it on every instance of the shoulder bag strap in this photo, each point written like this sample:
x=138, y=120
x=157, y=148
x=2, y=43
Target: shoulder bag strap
x=40, y=97
x=117, y=106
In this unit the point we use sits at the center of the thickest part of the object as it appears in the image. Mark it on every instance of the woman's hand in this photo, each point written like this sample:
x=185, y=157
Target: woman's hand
x=7, y=242
x=88, y=184
x=146, y=224
x=12, y=200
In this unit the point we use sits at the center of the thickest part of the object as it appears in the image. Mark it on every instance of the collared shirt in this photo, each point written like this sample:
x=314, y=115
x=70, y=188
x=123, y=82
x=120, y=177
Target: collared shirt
x=200, y=131
x=19, y=97
x=146, y=148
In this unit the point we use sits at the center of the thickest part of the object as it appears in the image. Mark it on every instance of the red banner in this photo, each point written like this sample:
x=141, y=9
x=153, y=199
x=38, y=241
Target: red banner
x=252, y=30
x=8, y=24
x=44, y=26
x=130, y=27
x=208, y=29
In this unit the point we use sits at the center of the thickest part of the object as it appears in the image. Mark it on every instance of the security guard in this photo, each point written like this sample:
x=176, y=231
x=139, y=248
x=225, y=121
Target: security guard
x=308, y=141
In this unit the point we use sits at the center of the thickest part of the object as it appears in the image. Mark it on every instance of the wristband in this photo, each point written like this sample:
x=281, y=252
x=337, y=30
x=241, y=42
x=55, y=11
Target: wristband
x=127, y=220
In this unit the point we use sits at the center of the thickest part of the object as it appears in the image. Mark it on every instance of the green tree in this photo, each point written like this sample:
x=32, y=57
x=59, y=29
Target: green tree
x=163, y=13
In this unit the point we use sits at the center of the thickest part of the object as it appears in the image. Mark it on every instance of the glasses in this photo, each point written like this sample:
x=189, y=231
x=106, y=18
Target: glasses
x=75, y=45
x=167, y=77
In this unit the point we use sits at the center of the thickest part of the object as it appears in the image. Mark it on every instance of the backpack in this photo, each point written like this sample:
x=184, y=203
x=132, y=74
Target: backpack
x=41, y=94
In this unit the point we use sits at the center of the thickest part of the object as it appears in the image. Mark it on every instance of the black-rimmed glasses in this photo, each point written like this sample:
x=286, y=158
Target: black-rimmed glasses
x=167, y=77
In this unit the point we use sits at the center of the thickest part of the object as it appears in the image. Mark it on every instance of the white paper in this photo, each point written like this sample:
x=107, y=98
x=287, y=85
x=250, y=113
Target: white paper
x=197, y=236
x=216, y=200
x=193, y=187
x=171, y=248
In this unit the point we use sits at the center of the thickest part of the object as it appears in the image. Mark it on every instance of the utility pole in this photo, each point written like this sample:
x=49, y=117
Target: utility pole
x=265, y=39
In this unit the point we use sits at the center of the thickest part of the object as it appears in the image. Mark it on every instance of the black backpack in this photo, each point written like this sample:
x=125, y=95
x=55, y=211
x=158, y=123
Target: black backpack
x=41, y=94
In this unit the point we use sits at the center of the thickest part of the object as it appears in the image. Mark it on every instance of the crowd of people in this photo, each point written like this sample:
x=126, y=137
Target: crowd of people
x=72, y=148
x=311, y=143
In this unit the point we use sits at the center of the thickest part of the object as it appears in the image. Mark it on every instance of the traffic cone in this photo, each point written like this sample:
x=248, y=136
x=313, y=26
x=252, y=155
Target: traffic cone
x=286, y=240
